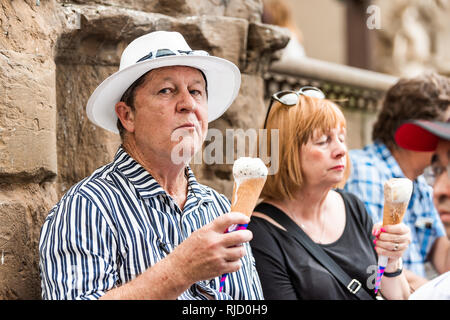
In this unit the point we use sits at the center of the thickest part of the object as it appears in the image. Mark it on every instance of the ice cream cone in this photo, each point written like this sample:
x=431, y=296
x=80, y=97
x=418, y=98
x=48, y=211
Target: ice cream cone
x=393, y=212
x=397, y=192
x=249, y=174
x=246, y=194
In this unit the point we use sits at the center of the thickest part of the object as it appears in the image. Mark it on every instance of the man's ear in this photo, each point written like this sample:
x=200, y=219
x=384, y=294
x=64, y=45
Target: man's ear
x=125, y=115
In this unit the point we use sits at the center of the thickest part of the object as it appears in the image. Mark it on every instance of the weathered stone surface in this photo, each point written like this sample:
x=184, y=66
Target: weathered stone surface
x=263, y=40
x=27, y=28
x=27, y=103
x=413, y=37
x=175, y=8
x=225, y=37
x=249, y=10
x=22, y=212
x=18, y=262
x=82, y=146
x=27, y=137
x=101, y=34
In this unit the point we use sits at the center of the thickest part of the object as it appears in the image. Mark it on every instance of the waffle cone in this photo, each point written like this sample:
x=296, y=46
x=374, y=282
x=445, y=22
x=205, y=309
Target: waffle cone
x=393, y=212
x=397, y=192
x=246, y=195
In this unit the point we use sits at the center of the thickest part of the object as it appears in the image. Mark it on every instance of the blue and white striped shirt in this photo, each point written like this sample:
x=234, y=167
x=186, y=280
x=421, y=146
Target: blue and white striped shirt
x=116, y=223
x=371, y=168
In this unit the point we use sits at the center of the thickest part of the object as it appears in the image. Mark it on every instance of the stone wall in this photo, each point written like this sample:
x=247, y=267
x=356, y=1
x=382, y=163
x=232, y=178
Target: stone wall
x=52, y=56
x=414, y=36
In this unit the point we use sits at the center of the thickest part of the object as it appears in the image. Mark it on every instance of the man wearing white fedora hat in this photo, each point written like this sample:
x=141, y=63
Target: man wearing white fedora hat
x=142, y=227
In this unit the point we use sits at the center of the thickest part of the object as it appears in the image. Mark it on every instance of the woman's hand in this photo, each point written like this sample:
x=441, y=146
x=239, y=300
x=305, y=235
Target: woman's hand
x=391, y=241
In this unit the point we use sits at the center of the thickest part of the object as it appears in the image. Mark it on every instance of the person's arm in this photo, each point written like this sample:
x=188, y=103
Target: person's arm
x=395, y=288
x=206, y=254
x=78, y=256
x=440, y=254
x=395, y=236
x=415, y=281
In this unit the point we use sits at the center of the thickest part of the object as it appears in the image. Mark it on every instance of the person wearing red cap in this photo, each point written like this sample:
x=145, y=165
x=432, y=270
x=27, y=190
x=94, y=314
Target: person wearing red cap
x=424, y=97
x=425, y=136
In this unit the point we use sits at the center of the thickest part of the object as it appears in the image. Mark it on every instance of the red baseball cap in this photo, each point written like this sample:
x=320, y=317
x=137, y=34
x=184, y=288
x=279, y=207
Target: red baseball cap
x=422, y=135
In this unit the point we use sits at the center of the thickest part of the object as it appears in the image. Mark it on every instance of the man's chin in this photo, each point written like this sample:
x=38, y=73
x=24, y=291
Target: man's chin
x=183, y=152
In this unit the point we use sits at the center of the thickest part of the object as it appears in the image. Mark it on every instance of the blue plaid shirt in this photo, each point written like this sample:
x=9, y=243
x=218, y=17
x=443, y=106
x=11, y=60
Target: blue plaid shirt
x=374, y=165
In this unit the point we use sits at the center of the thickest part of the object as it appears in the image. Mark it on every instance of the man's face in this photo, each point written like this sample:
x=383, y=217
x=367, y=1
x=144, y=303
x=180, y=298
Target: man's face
x=171, y=113
x=441, y=195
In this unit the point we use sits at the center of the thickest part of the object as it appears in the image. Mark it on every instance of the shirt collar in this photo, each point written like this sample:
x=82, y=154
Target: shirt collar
x=147, y=186
x=385, y=154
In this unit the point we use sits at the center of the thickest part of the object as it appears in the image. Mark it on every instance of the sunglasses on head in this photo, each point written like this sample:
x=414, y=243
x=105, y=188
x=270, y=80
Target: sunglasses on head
x=167, y=52
x=290, y=98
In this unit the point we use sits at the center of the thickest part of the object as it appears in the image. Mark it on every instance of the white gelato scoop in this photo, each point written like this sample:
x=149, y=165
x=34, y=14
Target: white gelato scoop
x=398, y=190
x=248, y=168
x=250, y=174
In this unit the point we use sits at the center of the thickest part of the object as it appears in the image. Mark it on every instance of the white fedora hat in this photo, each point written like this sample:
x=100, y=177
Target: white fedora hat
x=162, y=49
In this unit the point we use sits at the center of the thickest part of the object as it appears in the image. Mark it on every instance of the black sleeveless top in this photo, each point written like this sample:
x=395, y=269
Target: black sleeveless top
x=288, y=272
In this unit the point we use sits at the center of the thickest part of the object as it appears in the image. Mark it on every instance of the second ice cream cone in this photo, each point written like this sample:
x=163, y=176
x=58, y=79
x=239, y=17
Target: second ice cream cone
x=397, y=192
x=249, y=174
x=246, y=194
x=393, y=212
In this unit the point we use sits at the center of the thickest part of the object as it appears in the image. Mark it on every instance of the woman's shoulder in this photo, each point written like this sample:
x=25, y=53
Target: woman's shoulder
x=265, y=220
x=356, y=207
x=349, y=197
x=268, y=236
x=265, y=225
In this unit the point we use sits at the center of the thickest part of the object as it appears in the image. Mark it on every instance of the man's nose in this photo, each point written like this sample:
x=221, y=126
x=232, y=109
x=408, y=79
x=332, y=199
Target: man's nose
x=441, y=187
x=186, y=103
